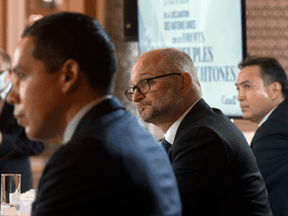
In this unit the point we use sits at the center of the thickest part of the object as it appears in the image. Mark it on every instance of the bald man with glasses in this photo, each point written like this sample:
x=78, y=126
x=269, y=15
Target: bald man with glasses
x=215, y=168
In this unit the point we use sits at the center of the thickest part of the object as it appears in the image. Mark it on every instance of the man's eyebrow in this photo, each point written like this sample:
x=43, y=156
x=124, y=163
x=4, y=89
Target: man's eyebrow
x=143, y=77
x=242, y=83
x=138, y=82
x=131, y=85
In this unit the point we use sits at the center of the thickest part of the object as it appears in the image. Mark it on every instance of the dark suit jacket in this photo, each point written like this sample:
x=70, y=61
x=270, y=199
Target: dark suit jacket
x=12, y=136
x=215, y=168
x=110, y=167
x=270, y=146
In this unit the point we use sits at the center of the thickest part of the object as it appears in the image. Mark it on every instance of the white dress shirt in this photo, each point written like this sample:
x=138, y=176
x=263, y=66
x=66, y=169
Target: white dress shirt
x=266, y=117
x=171, y=133
x=70, y=129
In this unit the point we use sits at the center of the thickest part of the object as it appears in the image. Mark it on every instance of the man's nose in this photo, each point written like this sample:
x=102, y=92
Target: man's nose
x=12, y=96
x=137, y=96
x=240, y=95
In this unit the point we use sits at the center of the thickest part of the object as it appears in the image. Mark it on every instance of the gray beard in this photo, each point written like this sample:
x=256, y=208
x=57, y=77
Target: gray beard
x=161, y=107
x=146, y=117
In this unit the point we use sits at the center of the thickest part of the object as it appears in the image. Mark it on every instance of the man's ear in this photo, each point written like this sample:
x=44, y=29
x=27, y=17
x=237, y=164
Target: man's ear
x=186, y=83
x=70, y=76
x=276, y=90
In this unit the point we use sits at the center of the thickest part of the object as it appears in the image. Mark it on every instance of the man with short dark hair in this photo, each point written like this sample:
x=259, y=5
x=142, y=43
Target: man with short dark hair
x=63, y=71
x=12, y=135
x=215, y=169
x=262, y=93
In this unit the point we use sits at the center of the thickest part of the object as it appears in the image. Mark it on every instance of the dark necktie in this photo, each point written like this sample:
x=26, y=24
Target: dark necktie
x=166, y=144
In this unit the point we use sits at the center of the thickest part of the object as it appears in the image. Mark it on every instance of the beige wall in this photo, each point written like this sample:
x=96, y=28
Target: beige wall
x=16, y=15
x=3, y=24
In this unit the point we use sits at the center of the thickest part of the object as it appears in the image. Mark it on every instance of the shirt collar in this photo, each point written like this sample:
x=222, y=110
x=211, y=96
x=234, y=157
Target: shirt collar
x=171, y=133
x=266, y=117
x=70, y=129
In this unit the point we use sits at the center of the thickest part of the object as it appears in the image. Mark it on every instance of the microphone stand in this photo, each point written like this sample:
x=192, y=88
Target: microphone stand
x=13, y=151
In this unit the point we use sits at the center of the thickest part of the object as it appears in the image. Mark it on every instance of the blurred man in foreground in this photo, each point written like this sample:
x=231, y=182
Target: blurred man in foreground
x=262, y=91
x=12, y=135
x=215, y=169
x=63, y=70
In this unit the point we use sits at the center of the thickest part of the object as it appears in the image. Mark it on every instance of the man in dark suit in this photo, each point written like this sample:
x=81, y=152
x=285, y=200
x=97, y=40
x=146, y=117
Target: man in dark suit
x=108, y=165
x=262, y=92
x=215, y=169
x=12, y=135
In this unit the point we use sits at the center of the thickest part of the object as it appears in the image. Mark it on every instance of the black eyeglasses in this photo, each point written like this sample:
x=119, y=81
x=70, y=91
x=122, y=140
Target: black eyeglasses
x=143, y=86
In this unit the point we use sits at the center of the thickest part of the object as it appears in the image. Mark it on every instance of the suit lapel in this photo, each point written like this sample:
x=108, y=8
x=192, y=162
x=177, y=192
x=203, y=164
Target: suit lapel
x=252, y=141
x=281, y=106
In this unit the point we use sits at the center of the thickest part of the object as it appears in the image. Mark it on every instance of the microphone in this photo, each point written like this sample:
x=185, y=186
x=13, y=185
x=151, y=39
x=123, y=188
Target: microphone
x=13, y=151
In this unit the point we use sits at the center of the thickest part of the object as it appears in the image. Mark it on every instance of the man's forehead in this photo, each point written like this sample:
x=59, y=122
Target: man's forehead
x=140, y=72
x=148, y=63
x=23, y=49
x=150, y=57
x=143, y=70
x=15, y=57
x=251, y=70
x=249, y=73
